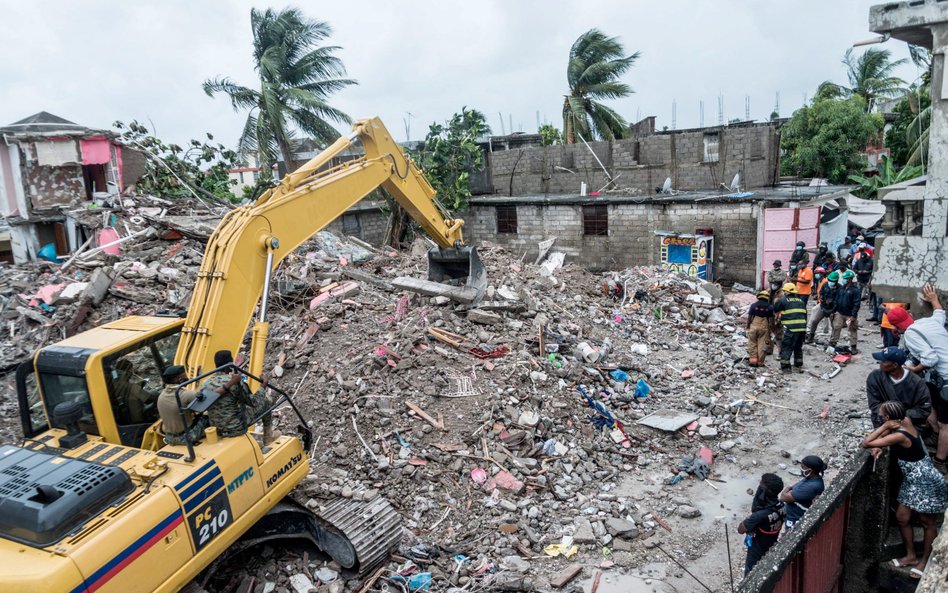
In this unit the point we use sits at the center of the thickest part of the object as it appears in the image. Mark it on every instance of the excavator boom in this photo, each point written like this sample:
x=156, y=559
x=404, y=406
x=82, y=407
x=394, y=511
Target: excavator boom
x=252, y=240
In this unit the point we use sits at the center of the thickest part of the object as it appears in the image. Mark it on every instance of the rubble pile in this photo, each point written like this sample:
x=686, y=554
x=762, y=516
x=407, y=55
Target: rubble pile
x=504, y=432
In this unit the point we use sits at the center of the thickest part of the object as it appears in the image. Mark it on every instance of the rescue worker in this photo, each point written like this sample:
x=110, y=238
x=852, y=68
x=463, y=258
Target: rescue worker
x=793, y=319
x=820, y=260
x=826, y=303
x=804, y=281
x=172, y=425
x=799, y=254
x=847, y=308
x=237, y=408
x=776, y=277
x=760, y=321
x=862, y=266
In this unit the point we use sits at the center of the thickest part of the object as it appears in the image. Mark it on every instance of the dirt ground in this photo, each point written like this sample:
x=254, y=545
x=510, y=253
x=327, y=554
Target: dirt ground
x=701, y=545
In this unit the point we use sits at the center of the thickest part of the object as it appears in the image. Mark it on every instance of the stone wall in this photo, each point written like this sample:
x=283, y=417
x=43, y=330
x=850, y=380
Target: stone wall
x=639, y=165
x=631, y=240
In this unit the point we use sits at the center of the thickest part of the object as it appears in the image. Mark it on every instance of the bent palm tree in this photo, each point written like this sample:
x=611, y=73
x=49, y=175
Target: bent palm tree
x=296, y=79
x=595, y=64
x=870, y=76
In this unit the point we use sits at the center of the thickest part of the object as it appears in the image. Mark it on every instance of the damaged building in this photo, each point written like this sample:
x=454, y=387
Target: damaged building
x=50, y=166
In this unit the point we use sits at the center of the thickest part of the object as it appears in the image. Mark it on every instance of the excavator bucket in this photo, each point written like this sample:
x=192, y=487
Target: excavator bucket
x=459, y=266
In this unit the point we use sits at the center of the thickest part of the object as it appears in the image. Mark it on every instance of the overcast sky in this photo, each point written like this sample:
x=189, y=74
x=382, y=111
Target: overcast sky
x=96, y=62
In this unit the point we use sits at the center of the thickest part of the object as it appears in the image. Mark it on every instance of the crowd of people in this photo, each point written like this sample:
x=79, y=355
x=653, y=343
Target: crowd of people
x=907, y=394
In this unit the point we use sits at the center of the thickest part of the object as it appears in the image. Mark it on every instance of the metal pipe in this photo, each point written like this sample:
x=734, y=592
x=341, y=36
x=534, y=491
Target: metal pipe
x=272, y=244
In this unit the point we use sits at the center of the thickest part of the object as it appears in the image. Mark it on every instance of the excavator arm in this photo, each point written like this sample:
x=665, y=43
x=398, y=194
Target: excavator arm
x=251, y=241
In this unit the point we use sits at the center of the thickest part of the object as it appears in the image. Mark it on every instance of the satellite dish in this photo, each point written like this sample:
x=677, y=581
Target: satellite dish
x=736, y=182
x=667, y=186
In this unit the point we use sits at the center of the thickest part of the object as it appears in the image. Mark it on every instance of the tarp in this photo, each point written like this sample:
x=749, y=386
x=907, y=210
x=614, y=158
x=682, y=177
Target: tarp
x=56, y=154
x=864, y=213
x=833, y=232
x=95, y=151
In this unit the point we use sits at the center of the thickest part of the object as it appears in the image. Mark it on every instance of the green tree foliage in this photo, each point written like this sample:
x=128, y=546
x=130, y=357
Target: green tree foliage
x=296, y=77
x=449, y=153
x=172, y=171
x=596, y=62
x=549, y=135
x=911, y=124
x=887, y=175
x=870, y=77
x=828, y=139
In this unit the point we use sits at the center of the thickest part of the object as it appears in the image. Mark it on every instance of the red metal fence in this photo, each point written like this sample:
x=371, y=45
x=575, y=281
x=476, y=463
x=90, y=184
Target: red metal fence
x=818, y=567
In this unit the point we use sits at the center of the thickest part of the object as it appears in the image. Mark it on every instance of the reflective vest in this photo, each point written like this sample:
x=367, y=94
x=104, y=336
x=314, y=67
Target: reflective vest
x=793, y=317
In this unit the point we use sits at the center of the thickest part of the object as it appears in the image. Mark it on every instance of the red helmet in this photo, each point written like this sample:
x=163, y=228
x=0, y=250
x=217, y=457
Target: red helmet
x=820, y=270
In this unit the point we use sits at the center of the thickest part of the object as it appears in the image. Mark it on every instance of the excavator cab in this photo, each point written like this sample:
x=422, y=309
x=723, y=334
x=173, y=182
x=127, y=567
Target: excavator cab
x=457, y=266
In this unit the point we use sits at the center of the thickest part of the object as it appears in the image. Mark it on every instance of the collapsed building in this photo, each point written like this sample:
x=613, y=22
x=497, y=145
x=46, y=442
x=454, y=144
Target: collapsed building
x=49, y=167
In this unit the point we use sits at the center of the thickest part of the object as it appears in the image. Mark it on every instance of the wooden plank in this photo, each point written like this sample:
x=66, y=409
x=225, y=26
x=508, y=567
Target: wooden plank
x=566, y=575
x=461, y=294
x=424, y=416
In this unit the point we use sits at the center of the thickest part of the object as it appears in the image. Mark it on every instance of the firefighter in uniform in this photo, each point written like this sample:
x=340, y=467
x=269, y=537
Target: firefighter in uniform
x=793, y=319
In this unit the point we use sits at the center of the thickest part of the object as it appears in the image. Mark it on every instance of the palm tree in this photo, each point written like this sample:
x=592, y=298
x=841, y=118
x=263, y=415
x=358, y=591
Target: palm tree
x=870, y=77
x=595, y=64
x=297, y=76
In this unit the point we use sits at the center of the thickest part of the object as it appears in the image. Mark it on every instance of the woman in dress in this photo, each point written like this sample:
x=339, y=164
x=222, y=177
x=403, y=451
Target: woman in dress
x=923, y=488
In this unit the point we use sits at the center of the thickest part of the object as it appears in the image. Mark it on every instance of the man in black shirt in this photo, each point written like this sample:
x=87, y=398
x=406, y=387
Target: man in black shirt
x=891, y=381
x=763, y=525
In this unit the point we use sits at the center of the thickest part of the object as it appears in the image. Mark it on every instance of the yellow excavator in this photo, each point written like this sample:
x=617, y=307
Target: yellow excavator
x=93, y=500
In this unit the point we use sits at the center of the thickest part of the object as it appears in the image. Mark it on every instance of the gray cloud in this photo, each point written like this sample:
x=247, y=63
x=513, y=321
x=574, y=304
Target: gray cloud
x=95, y=62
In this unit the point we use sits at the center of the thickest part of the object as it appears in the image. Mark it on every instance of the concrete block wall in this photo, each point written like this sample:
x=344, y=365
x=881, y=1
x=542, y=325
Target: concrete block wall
x=631, y=240
x=372, y=224
x=639, y=165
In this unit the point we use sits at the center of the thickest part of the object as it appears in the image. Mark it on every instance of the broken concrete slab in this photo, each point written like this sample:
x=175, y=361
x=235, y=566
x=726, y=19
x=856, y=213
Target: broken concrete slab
x=668, y=420
x=98, y=286
x=460, y=294
x=484, y=317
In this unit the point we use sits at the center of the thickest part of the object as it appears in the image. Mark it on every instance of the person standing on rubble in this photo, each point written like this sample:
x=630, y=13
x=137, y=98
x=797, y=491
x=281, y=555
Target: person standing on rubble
x=847, y=308
x=923, y=487
x=826, y=304
x=927, y=342
x=760, y=322
x=799, y=254
x=776, y=277
x=792, y=312
x=804, y=281
x=762, y=527
x=819, y=261
x=799, y=497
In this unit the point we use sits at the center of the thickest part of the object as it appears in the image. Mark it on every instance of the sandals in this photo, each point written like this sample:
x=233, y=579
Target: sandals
x=897, y=564
x=916, y=573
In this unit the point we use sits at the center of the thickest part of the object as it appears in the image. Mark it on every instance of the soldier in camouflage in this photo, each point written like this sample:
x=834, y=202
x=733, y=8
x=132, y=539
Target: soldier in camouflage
x=237, y=408
x=172, y=425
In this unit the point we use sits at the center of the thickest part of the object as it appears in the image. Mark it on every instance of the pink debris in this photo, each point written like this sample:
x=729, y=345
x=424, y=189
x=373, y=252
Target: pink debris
x=47, y=294
x=505, y=481
x=687, y=374
x=478, y=475
x=319, y=300
x=705, y=453
x=106, y=236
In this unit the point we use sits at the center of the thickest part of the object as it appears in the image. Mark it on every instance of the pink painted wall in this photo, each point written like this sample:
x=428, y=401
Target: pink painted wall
x=95, y=150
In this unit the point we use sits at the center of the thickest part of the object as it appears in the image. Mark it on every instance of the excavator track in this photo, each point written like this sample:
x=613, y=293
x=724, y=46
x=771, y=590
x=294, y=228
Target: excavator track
x=358, y=535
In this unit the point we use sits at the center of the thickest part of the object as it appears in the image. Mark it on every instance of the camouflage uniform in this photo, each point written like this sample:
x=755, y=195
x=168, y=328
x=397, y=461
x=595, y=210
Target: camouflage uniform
x=231, y=413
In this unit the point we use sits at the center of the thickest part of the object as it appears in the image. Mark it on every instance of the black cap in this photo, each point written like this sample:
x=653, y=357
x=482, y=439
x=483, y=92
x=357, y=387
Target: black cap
x=171, y=373
x=813, y=462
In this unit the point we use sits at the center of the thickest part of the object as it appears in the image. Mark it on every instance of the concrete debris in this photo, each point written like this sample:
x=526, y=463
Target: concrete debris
x=470, y=417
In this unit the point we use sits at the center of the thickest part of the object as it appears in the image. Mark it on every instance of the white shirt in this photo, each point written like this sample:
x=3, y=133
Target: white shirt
x=927, y=340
